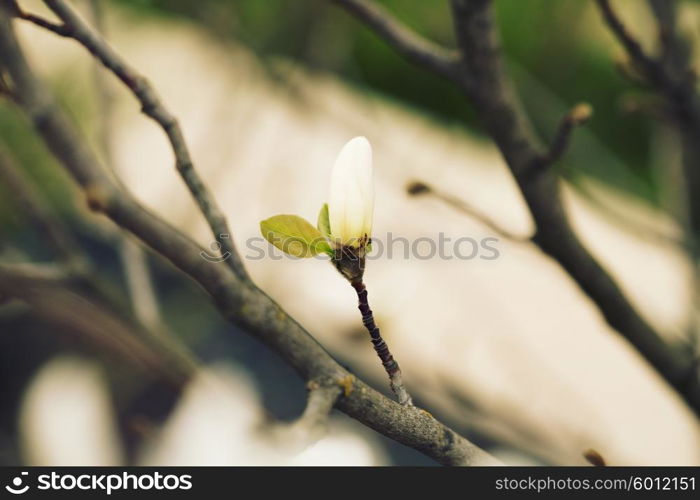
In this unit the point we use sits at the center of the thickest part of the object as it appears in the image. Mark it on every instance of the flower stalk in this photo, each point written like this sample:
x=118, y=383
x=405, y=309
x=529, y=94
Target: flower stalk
x=390, y=365
x=343, y=232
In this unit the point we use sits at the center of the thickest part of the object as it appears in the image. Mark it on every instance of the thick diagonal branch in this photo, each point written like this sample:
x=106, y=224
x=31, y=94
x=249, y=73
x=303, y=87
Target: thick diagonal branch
x=238, y=299
x=491, y=92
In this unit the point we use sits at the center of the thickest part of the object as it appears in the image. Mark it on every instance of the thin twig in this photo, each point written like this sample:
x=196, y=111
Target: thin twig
x=419, y=188
x=578, y=115
x=152, y=106
x=675, y=80
x=652, y=69
x=59, y=29
x=400, y=37
x=380, y=346
x=313, y=423
x=238, y=299
x=55, y=274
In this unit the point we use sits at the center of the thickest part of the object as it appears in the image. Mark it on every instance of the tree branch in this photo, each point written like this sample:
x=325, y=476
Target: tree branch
x=135, y=268
x=578, y=115
x=673, y=78
x=417, y=188
x=501, y=112
x=44, y=289
x=675, y=81
x=152, y=106
x=313, y=423
x=40, y=215
x=651, y=68
x=400, y=37
x=238, y=299
x=59, y=29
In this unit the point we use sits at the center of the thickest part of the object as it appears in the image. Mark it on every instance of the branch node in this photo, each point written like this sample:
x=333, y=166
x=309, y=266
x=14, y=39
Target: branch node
x=347, y=384
x=594, y=458
x=416, y=188
x=97, y=197
x=578, y=115
x=581, y=113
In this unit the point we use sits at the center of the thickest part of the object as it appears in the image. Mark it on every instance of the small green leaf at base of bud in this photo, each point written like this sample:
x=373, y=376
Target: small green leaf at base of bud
x=294, y=236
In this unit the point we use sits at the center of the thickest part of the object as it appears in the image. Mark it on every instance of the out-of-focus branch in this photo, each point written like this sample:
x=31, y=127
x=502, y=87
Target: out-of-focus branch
x=152, y=106
x=672, y=77
x=650, y=67
x=59, y=29
x=670, y=74
x=137, y=272
x=237, y=298
x=673, y=48
x=313, y=423
x=400, y=37
x=49, y=227
x=492, y=94
x=481, y=75
x=44, y=289
x=55, y=274
x=418, y=188
x=578, y=115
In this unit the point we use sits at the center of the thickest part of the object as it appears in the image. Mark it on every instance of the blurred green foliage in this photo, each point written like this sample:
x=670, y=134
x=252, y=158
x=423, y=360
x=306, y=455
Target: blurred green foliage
x=550, y=56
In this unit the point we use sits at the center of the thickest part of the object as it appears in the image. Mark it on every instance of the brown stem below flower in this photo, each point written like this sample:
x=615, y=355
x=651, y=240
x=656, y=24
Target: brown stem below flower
x=388, y=361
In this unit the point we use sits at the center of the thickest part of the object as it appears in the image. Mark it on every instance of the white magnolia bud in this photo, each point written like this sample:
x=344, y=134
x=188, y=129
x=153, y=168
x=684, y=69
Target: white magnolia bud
x=351, y=198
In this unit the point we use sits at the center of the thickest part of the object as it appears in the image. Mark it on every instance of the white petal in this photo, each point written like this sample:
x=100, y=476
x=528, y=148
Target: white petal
x=351, y=199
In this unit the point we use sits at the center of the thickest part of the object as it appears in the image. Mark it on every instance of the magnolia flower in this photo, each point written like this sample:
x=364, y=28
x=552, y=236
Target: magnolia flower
x=343, y=232
x=351, y=198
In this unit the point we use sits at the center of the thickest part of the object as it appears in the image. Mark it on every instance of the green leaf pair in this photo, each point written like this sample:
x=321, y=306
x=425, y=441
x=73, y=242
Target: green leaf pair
x=296, y=236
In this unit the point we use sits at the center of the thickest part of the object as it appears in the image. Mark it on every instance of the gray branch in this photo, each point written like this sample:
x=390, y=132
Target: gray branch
x=418, y=188
x=313, y=423
x=400, y=37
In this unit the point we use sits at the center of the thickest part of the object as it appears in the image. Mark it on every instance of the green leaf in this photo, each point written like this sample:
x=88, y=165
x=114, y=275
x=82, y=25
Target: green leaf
x=324, y=224
x=294, y=236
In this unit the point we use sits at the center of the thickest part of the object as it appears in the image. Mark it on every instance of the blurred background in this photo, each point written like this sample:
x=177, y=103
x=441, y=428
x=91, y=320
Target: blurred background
x=508, y=351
